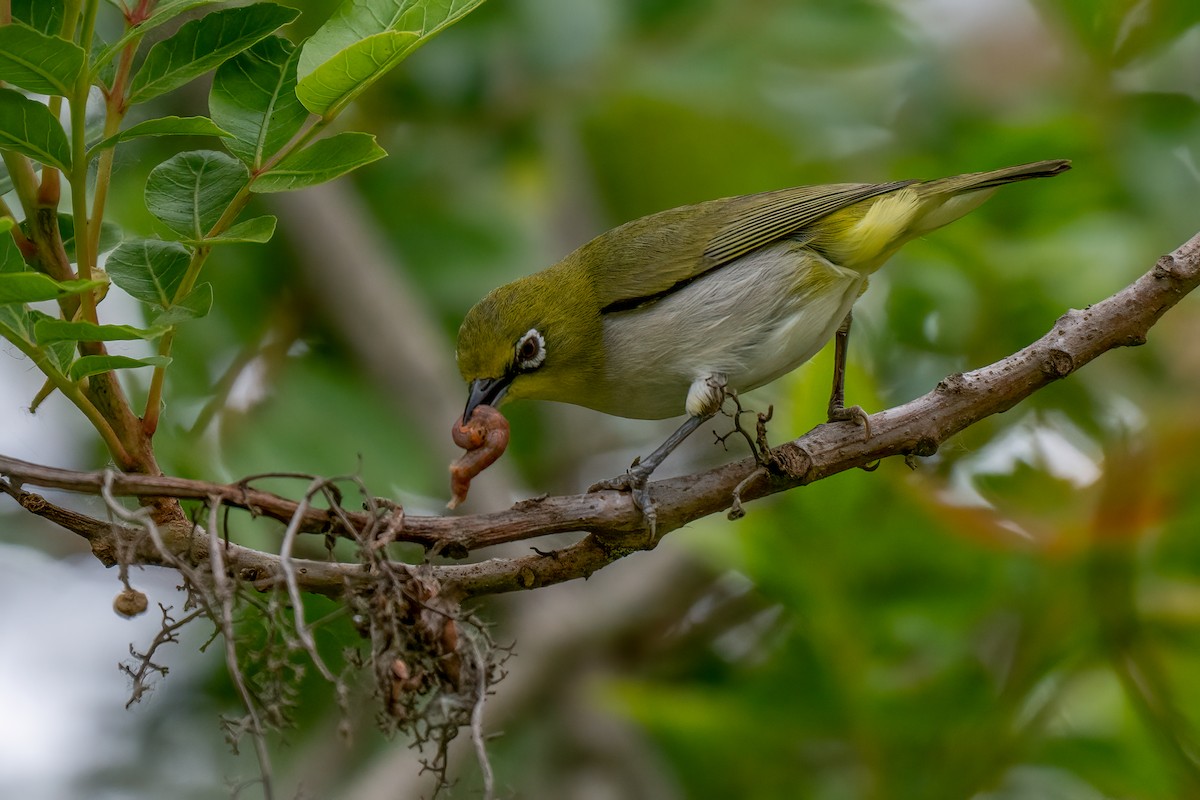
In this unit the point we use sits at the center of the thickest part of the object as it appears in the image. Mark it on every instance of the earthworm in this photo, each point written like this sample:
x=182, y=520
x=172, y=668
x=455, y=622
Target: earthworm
x=484, y=437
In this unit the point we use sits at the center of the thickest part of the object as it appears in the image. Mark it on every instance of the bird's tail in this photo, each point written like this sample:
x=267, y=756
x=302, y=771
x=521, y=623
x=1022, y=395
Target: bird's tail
x=944, y=200
x=974, y=181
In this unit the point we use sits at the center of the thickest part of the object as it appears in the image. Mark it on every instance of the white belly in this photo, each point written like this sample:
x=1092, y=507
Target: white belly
x=750, y=321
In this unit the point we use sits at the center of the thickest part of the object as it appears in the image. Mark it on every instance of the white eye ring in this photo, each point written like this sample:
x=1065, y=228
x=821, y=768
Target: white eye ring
x=531, y=350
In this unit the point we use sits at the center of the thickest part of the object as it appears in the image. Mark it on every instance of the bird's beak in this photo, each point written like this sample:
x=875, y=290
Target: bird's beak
x=485, y=392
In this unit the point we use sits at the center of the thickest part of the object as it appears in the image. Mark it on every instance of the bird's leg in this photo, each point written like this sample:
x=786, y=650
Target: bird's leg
x=837, y=397
x=636, y=479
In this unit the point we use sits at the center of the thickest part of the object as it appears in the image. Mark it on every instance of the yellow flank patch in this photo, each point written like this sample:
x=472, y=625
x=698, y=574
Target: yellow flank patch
x=878, y=232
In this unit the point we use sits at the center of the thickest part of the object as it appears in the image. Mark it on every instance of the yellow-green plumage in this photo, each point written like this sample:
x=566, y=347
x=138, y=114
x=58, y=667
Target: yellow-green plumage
x=741, y=290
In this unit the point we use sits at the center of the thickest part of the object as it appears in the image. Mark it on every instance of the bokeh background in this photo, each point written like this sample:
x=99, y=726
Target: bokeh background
x=1019, y=617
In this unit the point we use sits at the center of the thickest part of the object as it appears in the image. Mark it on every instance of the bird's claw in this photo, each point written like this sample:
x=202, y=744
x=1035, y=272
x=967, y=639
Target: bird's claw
x=852, y=414
x=636, y=481
x=621, y=483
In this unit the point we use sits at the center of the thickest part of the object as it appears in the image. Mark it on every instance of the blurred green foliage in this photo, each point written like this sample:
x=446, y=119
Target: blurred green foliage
x=1018, y=617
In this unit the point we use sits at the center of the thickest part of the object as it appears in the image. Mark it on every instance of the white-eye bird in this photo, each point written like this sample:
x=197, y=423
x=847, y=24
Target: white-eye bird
x=660, y=316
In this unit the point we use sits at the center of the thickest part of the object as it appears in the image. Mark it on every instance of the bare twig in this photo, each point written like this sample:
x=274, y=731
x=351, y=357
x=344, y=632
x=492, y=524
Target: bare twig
x=481, y=682
x=286, y=565
x=224, y=595
x=293, y=585
x=736, y=416
x=145, y=665
x=216, y=600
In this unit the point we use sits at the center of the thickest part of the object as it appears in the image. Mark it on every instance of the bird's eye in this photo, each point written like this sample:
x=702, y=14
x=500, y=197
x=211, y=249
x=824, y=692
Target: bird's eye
x=531, y=350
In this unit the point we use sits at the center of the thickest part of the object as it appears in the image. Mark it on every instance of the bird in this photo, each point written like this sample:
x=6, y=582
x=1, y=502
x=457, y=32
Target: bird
x=669, y=314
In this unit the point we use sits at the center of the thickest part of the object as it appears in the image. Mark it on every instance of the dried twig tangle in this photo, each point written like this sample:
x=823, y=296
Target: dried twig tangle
x=613, y=525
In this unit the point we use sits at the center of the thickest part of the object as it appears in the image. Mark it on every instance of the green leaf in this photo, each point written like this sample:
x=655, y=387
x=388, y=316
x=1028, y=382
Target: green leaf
x=110, y=235
x=28, y=127
x=61, y=353
x=190, y=191
x=333, y=84
x=42, y=15
x=358, y=45
x=1150, y=27
x=321, y=161
x=196, y=305
x=162, y=126
x=37, y=62
x=91, y=365
x=50, y=329
x=253, y=231
x=163, y=12
x=102, y=72
x=1117, y=33
x=149, y=269
x=33, y=287
x=204, y=43
x=15, y=319
x=10, y=254
x=254, y=97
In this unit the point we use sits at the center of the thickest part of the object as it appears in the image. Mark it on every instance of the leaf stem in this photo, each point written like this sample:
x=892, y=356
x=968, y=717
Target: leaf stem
x=70, y=17
x=23, y=243
x=24, y=181
x=85, y=257
x=50, y=192
x=154, y=395
x=312, y=126
x=115, y=108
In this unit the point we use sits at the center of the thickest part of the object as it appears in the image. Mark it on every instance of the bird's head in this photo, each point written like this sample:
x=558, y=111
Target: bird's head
x=538, y=337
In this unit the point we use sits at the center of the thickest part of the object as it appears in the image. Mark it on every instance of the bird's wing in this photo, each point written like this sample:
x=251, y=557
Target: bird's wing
x=652, y=257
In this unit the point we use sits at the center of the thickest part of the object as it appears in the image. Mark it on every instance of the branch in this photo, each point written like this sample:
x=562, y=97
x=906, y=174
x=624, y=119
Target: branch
x=917, y=428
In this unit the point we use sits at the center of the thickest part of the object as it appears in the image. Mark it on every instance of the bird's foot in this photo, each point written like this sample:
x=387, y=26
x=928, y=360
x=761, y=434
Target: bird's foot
x=852, y=414
x=636, y=481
